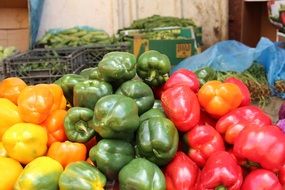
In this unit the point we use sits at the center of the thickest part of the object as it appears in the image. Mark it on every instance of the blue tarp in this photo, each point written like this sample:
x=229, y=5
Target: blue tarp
x=35, y=13
x=231, y=55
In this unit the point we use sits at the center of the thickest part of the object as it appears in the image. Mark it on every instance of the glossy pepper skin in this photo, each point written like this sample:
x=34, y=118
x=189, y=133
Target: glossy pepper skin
x=153, y=67
x=154, y=112
x=117, y=67
x=35, y=104
x=9, y=114
x=67, y=83
x=67, y=152
x=206, y=74
x=25, y=142
x=261, y=179
x=231, y=124
x=54, y=125
x=181, y=173
x=243, y=88
x=157, y=104
x=41, y=173
x=141, y=174
x=77, y=124
x=87, y=93
x=220, y=172
x=10, y=171
x=140, y=92
x=255, y=144
x=157, y=140
x=10, y=88
x=183, y=77
x=111, y=155
x=202, y=141
x=92, y=73
x=116, y=116
x=81, y=175
x=219, y=98
x=181, y=105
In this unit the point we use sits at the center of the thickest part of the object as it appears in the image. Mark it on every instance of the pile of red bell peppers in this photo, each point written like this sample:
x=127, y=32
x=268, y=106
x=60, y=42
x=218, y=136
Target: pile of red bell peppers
x=225, y=142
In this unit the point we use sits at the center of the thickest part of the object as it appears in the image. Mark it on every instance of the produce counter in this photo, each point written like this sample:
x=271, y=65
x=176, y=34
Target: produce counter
x=128, y=124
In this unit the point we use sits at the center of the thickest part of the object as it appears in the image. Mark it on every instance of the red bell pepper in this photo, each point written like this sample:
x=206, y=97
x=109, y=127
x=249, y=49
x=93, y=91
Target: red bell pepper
x=261, y=179
x=202, y=141
x=231, y=124
x=243, y=88
x=205, y=118
x=183, y=77
x=281, y=175
x=181, y=105
x=181, y=173
x=261, y=145
x=221, y=172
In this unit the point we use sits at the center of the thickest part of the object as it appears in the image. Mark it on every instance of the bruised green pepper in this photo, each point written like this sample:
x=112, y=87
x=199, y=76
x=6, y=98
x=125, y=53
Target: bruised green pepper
x=118, y=67
x=77, y=124
x=111, y=155
x=153, y=67
x=140, y=92
x=141, y=174
x=157, y=140
x=81, y=175
x=67, y=83
x=87, y=93
x=116, y=116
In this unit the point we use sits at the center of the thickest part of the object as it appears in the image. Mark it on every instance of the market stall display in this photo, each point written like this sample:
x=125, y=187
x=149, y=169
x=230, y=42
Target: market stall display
x=103, y=129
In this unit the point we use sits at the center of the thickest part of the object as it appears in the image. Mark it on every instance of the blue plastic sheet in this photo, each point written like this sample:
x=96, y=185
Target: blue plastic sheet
x=35, y=13
x=223, y=56
x=234, y=56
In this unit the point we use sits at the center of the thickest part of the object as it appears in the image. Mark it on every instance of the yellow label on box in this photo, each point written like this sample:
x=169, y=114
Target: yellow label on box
x=183, y=50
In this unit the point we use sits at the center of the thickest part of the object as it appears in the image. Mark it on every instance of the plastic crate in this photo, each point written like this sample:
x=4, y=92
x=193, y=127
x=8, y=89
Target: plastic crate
x=44, y=65
x=94, y=54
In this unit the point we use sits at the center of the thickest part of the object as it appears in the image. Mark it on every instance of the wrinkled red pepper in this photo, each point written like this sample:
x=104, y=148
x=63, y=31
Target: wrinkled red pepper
x=281, y=175
x=221, y=172
x=181, y=173
x=202, y=141
x=261, y=145
x=261, y=179
x=231, y=124
x=243, y=88
x=181, y=105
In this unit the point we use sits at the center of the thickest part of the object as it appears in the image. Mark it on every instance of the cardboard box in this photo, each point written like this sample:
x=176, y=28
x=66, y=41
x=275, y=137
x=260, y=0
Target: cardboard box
x=176, y=50
x=14, y=24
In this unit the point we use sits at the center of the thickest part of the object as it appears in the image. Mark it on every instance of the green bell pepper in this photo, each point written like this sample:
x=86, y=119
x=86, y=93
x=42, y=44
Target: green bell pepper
x=153, y=112
x=81, y=175
x=153, y=67
x=92, y=73
x=141, y=174
x=140, y=92
x=67, y=82
x=116, y=116
x=118, y=67
x=110, y=155
x=87, y=93
x=77, y=124
x=157, y=140
x=206, y=74
x=157, y=104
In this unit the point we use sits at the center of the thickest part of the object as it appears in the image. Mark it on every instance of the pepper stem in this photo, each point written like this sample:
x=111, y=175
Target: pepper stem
x=152, y=75
x=221, y=187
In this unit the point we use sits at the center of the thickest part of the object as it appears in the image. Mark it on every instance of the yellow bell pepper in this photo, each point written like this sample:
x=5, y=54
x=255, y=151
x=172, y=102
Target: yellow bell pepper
x=9, y=115
x=10, y=170
x=3, y=151
x=41, y=173
x=25, y=141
